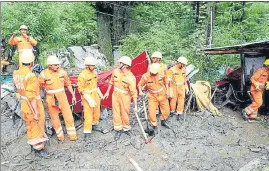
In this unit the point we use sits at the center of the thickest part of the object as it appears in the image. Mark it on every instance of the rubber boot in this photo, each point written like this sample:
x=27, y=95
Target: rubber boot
x=117, y=135
x=244, y=115
x=97, y=128
x=256, y=119
x=127, y=132
x=42, y=153
x=86, y=136
x=60, y=141
x=179, y=117
x=164, y=123
x=172, y=114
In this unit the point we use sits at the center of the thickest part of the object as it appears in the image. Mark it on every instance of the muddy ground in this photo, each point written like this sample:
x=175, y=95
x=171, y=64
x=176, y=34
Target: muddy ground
x=203, y=142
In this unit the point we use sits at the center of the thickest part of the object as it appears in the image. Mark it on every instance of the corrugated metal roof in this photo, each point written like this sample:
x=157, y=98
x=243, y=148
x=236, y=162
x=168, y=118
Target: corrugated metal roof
x=254, y=47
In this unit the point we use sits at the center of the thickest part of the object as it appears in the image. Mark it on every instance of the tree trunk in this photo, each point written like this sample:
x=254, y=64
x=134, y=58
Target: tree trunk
x=1, y=28
x=104, y=13
x=114, y=23
x=197, y=13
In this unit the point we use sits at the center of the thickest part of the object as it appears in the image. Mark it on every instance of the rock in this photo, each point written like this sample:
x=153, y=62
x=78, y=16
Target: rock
x=78, y=54
x=255, y=150
x=92, y=51
x=11, y=68
x=252, y=165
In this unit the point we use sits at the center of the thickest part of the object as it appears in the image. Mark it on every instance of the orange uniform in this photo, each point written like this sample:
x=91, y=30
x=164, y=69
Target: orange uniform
x=178, y=78
x=260, y=77
x=54, y=83
x=124, y=89
x=163, y=69
x=87, y=84
x=156, y=95
x=40, y=108
x=26, y=83
x=22, y=44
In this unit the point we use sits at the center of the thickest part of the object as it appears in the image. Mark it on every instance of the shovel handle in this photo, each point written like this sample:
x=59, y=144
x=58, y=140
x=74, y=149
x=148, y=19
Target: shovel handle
x=145, y=110
x=141, y=127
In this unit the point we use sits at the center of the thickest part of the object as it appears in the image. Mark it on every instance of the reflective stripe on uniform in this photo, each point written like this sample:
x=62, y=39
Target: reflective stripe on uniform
x=87, y=131
x=90, y=91
x=179, y=83
x=24, y=50
x=37, y=147
x=120, y=90
x=28, y=75
x=157, y=91
x=43, y=75
x=24, y=98
x=55, y=91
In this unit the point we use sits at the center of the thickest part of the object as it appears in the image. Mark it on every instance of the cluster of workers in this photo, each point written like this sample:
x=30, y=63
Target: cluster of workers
x=166, y=90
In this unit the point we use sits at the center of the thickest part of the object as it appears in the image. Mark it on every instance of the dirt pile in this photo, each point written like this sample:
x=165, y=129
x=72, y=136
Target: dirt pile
x=200, y=143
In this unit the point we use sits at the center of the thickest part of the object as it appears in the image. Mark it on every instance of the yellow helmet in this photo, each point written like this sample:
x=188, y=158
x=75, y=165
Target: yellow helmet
x=266, y=62
x=126, y=60
x=90, y=61
x=154, y=68
x=157, y=55
x=23, y=27
x=53, y=60
x=27, y=57
x=182, y=60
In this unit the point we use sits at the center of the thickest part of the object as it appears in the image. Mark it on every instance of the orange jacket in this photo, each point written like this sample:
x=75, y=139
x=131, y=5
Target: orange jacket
x=260, y=76
x=87, y=80
x=54, y=80
x=178, y=76
x=26, y=82
x=22, y=43
x=124, y=81
x=155, y=84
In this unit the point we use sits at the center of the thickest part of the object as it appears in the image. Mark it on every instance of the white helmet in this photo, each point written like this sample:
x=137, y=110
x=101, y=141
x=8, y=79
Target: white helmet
x=27, y=57
x=157, y=55
x=182, y=60
x=90, y=61
x=53, y=60
x=126, y=60
x=23, y=27
x=154, y=68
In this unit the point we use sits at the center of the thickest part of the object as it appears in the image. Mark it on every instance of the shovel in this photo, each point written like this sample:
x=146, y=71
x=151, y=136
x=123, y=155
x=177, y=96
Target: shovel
x=149, y=131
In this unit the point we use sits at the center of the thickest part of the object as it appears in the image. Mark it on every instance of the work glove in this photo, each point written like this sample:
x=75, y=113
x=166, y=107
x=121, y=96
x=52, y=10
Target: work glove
x=267, y=85
x=90, y=100
x=257, y=85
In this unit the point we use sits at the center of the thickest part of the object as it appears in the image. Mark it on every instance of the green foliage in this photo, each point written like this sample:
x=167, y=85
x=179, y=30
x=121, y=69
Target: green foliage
x=53, y=24
x=172, y=31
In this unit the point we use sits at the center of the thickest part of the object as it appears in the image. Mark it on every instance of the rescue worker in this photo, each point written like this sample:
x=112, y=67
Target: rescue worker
x=259, y=82
x=54, y=79
x=4, y=58
x=156, y=57
x=155, y=82
x=26, y=83
x=23, y=42
x=90, y=94
x=124, y=83
x=179, y=85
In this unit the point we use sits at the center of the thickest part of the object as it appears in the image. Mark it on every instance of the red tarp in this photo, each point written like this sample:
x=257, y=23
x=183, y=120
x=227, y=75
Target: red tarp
x=138, y=68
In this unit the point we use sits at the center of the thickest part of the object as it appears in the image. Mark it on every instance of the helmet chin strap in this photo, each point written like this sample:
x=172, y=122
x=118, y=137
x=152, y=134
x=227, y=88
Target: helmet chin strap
x=123, y=66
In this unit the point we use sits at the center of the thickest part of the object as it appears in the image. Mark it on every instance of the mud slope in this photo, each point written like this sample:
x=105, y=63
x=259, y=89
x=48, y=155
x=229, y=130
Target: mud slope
x=201, y=143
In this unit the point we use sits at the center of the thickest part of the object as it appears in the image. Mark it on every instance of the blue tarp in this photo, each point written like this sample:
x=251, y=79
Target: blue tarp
x=6, y=79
